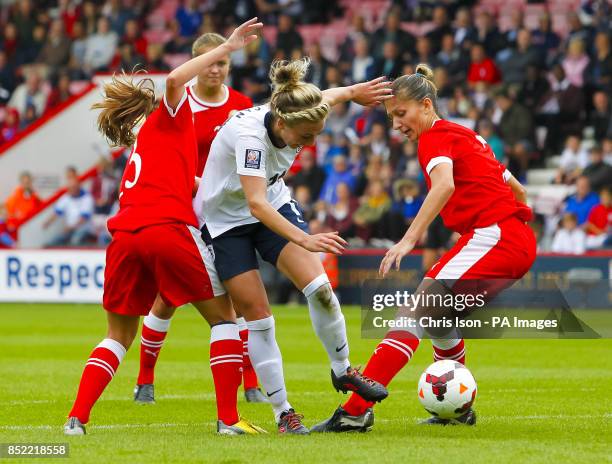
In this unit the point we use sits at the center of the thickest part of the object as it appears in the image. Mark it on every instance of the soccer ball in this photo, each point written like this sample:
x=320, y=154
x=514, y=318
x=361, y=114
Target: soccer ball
x=447, y=389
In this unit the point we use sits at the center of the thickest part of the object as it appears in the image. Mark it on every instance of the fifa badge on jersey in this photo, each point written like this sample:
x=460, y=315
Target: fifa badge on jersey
x=252, y=158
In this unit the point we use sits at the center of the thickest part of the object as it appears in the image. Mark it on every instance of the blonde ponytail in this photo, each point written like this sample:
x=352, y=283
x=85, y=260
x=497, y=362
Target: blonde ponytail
x=293, y=100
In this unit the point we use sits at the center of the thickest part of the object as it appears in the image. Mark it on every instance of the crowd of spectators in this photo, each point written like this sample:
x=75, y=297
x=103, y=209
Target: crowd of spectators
x=531, y=93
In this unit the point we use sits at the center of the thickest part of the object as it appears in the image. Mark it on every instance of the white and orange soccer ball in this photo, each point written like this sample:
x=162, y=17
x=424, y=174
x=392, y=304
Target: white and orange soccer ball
x=447, y=389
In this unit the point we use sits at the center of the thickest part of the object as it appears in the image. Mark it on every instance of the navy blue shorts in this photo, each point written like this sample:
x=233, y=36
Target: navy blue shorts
x=235, y=249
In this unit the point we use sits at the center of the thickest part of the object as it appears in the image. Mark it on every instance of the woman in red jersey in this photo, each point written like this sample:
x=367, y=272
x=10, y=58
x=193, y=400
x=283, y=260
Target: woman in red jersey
x=212, y=103
x=476, y=197
x=156, y=246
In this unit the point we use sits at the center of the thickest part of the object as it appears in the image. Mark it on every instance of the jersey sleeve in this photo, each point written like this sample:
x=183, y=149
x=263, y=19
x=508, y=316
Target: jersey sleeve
x=251, y=157
x=173, y=112
x=434, y=149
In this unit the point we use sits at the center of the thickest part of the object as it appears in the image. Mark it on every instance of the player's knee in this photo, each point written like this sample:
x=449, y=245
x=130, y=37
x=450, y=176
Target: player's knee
x=252, y=310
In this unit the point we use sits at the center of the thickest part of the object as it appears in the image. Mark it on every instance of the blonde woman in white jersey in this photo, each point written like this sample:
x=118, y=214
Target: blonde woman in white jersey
x=246, y=206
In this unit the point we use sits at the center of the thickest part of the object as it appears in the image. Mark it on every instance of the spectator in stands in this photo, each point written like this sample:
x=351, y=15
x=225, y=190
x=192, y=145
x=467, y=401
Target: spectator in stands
x=134, y=37
x=577, y=31
x=533, y=88
x=516, y=123
x=600, y=69
x=569, y=238
x=24, y=19
x=78, y=49
x=75, y=209
x=29, y=117
x=482, y=68
x=389, y=64
x=7, y=77
x=10, y=41
x=544, y=37
x=100, y=47
x=599, y=222
x=487, y=130
x=89, y=17
x=288, y=38
x=392, y=32
x=310, y=175
x=30, y=93
x=488, y=34
x=377, y=142
x=129, y=58
x=7, y=239
x=356, y=31
x=339, y=173
x=516, y=130
x=189, y=18
x=118, y=15
x=177, y=43
x=362, y=60
x=10, y=126
x=408, y=199
x=23, y=201
x=452, y=59
x=464, y=33
x=339, y=215
x=30, y=53
x=104, y=186
x=514, y=64
x=318, y=66
x=56, y=51
x=599, y=118
x=155, y=58
x=598, y=171
x=441, y=27
x=574, y=159
x=408, y=164
x=424, y=52
x=372, y=206
x=60, y=92
x=575, y=62
x=582, y=201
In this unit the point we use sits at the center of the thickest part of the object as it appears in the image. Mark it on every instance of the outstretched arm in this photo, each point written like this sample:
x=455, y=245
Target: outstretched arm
x=442, y=188
x=366, y=93
x=255, y=189
x=176, y=80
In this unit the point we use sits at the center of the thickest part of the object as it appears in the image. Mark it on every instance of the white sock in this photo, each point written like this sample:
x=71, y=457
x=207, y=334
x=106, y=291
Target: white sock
x=328, y=322
x=268, y=363
x=155, y=323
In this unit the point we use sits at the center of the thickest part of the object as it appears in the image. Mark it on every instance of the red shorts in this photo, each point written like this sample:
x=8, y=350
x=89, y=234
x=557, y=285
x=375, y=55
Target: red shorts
x=502, y=251
x=169, y=259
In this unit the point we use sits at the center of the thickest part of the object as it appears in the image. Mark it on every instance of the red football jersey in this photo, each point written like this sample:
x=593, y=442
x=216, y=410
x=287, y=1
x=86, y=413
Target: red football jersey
x=158, y=180
x=209, y=117
x=482, y=197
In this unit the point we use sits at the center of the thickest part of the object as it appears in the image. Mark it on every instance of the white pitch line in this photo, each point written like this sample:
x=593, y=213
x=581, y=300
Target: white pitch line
x=211, y=396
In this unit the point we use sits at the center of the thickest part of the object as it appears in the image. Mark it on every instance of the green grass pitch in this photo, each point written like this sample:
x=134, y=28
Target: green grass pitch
x=539, y=400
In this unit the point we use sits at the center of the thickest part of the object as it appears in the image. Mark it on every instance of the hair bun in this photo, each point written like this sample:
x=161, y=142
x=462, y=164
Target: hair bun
x=425, y=71
x=286, y=75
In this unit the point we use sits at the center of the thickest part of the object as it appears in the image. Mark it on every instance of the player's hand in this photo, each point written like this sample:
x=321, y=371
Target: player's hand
x=372, y=92
x=327, y=242
x=243, y=34
x=395, y=255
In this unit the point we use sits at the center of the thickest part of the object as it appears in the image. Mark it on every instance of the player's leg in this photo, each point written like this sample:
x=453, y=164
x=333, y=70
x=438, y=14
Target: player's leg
x=236, y=264
x=225, y=363
x=252, y=392
x=306, y=271
x=100, y=369
x=247, y=291
x=129, y=290
x=155, y=327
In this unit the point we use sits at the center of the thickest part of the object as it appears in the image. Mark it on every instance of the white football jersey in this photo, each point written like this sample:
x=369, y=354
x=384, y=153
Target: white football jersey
x=242, y=147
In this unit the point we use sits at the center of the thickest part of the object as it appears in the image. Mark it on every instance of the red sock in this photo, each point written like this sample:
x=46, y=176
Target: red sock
x=99, y=370
x=226, y=367
x=453, y=349
x=249, y=377
x=389, y=357
x=154, y=332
